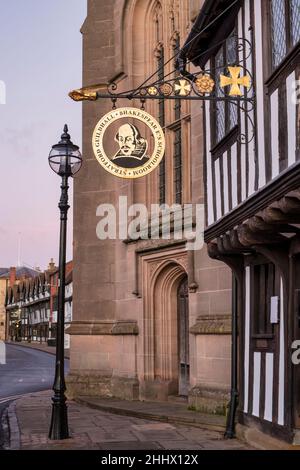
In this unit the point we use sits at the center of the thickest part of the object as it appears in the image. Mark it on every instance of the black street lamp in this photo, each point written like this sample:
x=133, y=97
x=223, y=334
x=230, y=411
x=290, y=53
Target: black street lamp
x=65, y=159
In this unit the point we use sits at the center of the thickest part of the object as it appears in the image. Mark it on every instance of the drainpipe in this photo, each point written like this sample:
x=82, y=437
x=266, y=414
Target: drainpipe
x=230, y=424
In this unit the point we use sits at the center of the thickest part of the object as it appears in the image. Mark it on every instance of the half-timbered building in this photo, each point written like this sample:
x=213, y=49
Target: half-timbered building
x=253, y=196
x=31, y=307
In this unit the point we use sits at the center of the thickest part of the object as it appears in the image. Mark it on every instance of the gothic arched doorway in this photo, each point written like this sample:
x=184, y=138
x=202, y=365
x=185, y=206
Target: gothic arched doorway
x=183, y=337
x=160, y=376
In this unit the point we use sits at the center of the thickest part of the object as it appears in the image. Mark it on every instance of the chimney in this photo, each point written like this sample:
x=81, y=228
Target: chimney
x=12, y=276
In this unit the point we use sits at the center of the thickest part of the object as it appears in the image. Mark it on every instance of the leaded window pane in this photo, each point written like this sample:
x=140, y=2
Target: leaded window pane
x=233, y=115
x=220, y=62
x=220, y=105
x=231, y=49
x=226, y=113
x=279, y=43
x=295, y=20
x=220, y=111
x=232, y=58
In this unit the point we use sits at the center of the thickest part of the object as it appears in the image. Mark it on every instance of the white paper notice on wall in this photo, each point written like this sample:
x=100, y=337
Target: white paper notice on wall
x=274, y=315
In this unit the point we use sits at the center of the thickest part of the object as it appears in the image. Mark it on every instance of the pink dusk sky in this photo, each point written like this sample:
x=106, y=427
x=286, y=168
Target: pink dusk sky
x=40, y=62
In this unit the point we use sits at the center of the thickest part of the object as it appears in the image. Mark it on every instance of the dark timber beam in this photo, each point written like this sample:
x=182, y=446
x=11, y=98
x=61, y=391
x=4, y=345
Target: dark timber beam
x=248, y=237
x=276, y=216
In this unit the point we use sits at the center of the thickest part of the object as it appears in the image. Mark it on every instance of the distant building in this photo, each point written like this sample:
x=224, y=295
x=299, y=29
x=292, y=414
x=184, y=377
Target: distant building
x=68, y=306
x=8, y=278
x=54, y=301
x=31, y=307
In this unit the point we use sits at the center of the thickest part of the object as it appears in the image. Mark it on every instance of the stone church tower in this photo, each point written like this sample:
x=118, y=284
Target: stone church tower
x=151, y=319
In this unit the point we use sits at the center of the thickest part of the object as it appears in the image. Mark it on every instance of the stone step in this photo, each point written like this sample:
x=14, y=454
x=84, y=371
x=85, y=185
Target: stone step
x=178, y=399
x=169, y=412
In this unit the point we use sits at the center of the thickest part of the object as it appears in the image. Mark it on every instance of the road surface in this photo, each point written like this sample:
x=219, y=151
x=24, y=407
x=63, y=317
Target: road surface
x=26, y=370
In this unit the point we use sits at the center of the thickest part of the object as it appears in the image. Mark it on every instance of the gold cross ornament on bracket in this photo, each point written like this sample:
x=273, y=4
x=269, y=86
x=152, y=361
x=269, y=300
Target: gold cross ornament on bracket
x=235, y=81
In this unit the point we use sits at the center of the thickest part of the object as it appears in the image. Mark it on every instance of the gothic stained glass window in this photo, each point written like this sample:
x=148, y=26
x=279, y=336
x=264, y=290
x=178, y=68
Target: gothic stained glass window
x=176, y=49
x=177, y=142
x=161, y=119
x=160, y=60
x=177, y=167
x=161, y=103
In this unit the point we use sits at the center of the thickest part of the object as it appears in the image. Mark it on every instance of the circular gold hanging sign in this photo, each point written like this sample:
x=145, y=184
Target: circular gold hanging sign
x=128, y=142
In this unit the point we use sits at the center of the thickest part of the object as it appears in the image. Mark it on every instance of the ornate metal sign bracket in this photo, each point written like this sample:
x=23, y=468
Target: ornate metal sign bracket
x=232, y=83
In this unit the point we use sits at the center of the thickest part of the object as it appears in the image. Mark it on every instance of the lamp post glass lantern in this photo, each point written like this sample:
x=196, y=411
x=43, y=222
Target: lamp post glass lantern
x=65, y=160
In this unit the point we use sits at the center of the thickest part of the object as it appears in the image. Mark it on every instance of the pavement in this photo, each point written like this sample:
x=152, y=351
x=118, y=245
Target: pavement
x=97, y=423
x=25, y=411
x=95, y=429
